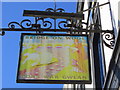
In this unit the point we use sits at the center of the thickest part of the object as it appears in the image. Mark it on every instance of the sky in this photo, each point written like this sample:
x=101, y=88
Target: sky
x=13, y=11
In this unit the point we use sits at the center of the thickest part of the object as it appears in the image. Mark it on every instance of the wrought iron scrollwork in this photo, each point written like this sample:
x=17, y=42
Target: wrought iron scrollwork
x=109, y=40
x=49, y=10
x=45, y=23
x=12, y=25
x=60, y=10
x=26, y=22
x=55, y=10
x=62, y=24
x=2, y=34
x=42, y=23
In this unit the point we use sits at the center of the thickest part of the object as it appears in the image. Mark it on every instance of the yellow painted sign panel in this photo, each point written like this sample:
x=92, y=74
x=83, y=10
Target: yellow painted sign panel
x=54, y=58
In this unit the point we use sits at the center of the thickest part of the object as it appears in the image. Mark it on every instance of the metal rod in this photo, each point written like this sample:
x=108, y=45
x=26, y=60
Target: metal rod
x=58, y=30
x=54, y=4
x=95, y=7
x=54, y=23
x=35, y=13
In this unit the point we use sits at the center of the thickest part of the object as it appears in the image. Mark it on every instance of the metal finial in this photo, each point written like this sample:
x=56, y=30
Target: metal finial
x=54, y=5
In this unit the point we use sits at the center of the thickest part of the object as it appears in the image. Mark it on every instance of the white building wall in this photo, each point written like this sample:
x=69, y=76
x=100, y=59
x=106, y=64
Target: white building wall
x=106, y=25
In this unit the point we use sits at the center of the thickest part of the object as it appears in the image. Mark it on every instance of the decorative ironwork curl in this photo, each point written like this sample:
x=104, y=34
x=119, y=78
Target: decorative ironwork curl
x=60, y=10
x=55, y=10
x=109, y=40
x=109, y=36
x=49, y=10
x=62, y=24
x=46, y=24
x=28, y=23
x=12, y=25
x=3, y=33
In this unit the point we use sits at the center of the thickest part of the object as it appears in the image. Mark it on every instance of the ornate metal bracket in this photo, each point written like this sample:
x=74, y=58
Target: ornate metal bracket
x=43, y=23
x=109, y=40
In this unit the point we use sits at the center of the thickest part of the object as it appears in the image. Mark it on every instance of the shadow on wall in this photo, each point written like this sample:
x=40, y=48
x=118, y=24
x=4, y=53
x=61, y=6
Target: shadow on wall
x=119, y=23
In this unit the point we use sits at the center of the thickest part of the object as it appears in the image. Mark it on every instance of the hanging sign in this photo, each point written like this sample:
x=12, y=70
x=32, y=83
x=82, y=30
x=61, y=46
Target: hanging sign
x=54, y=58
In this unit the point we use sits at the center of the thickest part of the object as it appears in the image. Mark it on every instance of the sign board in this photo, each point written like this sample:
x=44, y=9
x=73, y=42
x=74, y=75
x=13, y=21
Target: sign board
x=54, y=58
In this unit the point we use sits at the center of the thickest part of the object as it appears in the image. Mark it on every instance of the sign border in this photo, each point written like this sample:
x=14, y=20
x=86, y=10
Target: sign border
x=54, y=81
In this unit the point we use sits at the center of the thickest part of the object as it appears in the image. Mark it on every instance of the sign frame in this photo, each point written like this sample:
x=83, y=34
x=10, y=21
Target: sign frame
x=54, y=81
